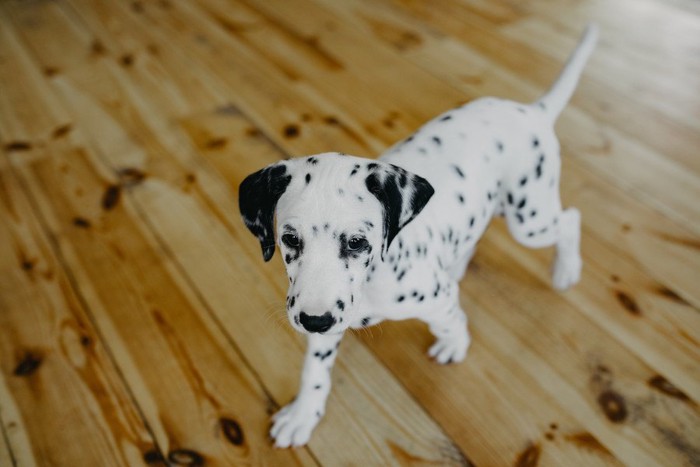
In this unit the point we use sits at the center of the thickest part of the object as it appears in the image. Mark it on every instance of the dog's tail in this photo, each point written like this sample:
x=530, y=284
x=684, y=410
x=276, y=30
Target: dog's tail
x=557, y=97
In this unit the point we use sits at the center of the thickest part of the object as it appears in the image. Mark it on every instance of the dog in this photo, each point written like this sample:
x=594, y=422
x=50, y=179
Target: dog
x=370, y=240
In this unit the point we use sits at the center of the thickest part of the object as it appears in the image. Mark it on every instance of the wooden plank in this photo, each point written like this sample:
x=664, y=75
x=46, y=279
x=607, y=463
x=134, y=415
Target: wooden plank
x=55, y=370
x=15, y=441
x=6, y=455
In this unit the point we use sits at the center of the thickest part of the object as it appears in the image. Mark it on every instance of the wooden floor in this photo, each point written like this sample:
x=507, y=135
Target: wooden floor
x=140, y=326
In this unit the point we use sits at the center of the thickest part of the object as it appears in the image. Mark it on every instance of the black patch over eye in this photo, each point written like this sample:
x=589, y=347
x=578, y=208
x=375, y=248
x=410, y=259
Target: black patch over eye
x=291, y=240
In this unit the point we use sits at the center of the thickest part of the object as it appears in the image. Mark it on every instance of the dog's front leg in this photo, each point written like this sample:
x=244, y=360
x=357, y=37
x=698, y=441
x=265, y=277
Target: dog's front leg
x=293, y=424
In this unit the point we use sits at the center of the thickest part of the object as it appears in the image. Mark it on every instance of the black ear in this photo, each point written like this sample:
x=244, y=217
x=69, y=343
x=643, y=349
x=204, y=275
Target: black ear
x=402, y=194
x=257, y=198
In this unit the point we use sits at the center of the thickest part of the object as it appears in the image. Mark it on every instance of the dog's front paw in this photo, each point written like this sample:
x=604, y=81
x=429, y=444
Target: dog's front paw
x=293, y=424
x=451, y=349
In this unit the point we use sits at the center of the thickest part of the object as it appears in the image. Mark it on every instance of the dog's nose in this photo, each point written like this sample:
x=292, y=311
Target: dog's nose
x=317, y=323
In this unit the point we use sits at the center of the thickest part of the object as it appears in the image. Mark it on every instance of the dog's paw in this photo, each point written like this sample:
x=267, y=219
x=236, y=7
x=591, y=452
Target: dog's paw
x=566, y=271
x=450, y=349
x=293, y=424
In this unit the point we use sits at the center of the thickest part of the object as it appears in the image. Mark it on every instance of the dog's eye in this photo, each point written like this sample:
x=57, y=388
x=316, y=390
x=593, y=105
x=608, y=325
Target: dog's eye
x=291, y=240
x=357, y=243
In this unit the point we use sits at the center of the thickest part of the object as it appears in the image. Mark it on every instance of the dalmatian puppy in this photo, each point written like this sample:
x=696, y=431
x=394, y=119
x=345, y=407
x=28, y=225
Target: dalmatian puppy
x=371, y=240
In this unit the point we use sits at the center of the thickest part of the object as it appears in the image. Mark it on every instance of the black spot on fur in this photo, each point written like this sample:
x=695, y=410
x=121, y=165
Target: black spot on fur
x=355, y=169
x=341, y=305
x=471, y=221
x=458, y=170
x=372, y=166
x=308, y=178
x=533, y=213
x=460, y=197
x=312, y=160
x=324, y=355
x=523, y=181
x=445, y=118
x=499, y=146
x=520, y=217
x=437, y=140
x=400, y=298
x=522, y=202
x=510, y=198
x=365, y=321
x=535, y=142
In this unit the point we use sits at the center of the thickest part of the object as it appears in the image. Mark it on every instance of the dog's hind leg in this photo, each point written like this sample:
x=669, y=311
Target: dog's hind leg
x=535, y=219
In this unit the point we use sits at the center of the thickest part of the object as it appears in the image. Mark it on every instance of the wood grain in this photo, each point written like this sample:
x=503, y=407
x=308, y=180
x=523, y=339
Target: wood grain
x=138, y=317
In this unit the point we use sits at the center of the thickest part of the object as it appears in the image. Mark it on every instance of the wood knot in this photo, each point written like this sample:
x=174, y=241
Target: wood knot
x=110, y=198
x=130, y=176
x=660, y=383
x=529, y=457
x=153, y=457
x=216, y=143
x=81, y=222
x=186, y=457
x=291, y=131
x=628, y=302
x=29, y=364
x=613, y=405
x=16, y=146
x=232, y=431
x=61, y=131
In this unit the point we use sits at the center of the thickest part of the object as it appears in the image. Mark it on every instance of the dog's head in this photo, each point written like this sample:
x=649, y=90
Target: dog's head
x=336, y=216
